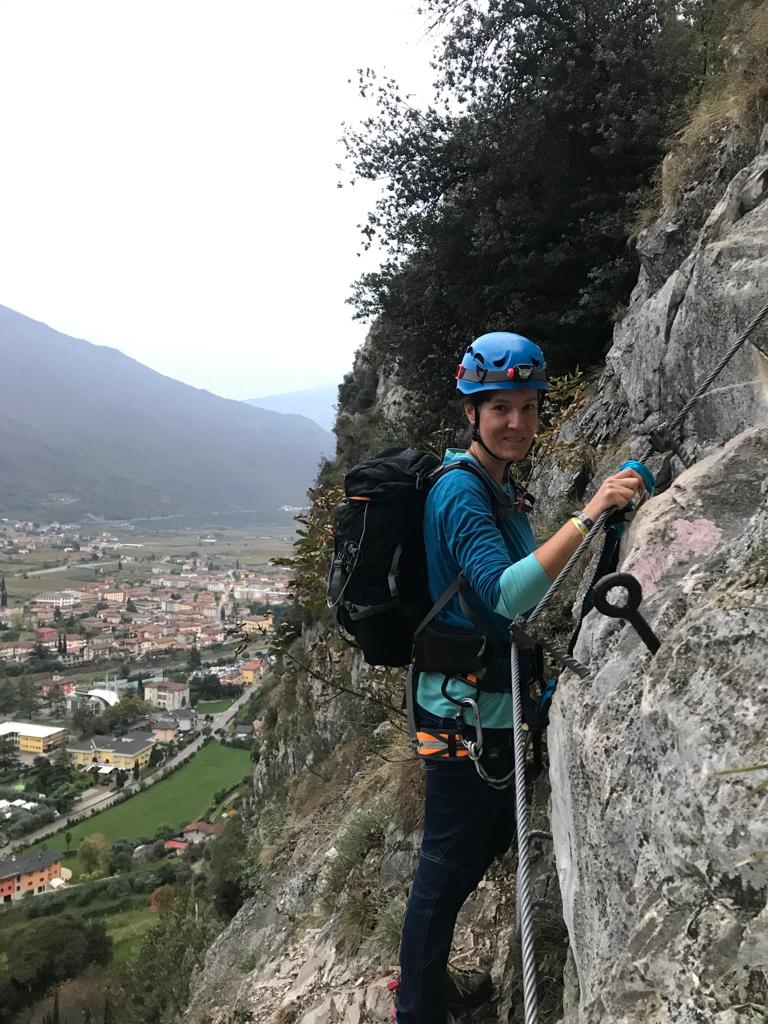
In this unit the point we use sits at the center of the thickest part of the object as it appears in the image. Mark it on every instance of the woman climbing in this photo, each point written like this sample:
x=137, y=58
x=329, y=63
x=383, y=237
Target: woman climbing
x=476, y=525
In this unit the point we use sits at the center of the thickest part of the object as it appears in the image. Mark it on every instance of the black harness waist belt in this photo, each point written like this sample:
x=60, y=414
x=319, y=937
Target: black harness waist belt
x=466, y=654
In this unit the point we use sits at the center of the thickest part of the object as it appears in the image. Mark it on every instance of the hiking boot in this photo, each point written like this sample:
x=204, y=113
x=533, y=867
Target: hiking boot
x=392, y=986
x=465, y=990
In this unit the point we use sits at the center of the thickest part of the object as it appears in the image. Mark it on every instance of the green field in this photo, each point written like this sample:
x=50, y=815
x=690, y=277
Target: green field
x=128, y=928
x=181, y=798
x=212, y=707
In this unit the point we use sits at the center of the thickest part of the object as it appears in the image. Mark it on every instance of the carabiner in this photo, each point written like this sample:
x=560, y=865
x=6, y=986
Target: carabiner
x=474, y=747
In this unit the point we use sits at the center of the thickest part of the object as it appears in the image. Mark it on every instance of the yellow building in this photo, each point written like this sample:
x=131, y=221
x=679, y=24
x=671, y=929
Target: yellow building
x=33, y=739
x=124, y=752
x=251, y=671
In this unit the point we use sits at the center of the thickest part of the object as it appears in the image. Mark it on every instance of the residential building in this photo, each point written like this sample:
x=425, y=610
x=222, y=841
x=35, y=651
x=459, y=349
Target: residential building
x=165, y=730
x=59, y=598
x=201, y=831
x=16, y=650
x=47, y=635
x=178, y=846
x=33, y=739
x=64, y=686
x=251, y=671
x=31, y=873
x=185, y=718
x=123, y=752
x=167, y=695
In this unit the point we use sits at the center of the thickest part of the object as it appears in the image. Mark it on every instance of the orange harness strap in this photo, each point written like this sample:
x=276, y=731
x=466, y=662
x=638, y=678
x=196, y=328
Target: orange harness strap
x=440, y=745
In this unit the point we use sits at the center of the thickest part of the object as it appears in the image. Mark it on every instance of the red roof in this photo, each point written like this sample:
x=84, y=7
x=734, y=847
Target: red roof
x=175, y=844
x=205, y=828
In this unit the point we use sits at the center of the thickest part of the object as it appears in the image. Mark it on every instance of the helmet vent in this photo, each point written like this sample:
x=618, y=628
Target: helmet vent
x=500, y=362
x=479, y=357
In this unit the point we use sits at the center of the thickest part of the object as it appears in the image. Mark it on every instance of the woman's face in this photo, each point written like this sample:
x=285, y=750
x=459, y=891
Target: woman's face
x=508, y=422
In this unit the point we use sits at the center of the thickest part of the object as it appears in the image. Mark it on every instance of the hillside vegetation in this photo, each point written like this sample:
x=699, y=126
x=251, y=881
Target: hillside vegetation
x=512, y=201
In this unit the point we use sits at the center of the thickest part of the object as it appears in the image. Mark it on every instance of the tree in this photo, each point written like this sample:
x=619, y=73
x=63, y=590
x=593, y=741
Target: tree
x=43, y=955
x=8, y=696
x=58, y=701
x=68, y=840
x=508, y=202
x=130, y=605
x=39, y=657
x=94, y=853
x=175, y=948
x=136, y=772
x=9, y=757
x=28, y=698
x=163, y=899
x=3, y=593
x=56, y=614
x=194, y=661
x=225, y=872
x=43, y=770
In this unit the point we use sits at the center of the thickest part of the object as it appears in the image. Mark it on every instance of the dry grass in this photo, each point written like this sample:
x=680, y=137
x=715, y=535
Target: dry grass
x=287, y=1014
x=736, y=97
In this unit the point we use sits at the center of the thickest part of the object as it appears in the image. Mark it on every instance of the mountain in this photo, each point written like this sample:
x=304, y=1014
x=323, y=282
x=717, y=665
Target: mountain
x=85, y=429
x=319, y=403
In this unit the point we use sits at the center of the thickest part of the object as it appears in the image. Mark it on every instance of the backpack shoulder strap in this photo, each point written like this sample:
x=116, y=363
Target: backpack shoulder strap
x=458, y=584
x=478, y=473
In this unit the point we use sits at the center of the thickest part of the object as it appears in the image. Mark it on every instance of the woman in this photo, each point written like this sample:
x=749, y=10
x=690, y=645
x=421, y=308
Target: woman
x=475, y=523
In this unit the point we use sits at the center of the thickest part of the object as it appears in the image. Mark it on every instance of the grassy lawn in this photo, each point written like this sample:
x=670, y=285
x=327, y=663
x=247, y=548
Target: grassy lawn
x=212, y=707
x=128, y=928
x=181, y=798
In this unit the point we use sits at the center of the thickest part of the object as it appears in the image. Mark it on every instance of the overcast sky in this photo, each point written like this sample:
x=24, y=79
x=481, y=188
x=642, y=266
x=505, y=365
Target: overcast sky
x=168, y=179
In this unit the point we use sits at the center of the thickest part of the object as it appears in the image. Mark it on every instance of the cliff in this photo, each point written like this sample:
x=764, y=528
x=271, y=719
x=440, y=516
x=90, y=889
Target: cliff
x=659, y=821
x=661, y=858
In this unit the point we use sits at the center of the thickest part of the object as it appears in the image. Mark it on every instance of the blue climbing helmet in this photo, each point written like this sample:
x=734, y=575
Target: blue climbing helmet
x=501, y=361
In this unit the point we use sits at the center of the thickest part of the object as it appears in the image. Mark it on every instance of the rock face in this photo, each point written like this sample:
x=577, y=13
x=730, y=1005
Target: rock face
x=687, y=309
x=663, y=862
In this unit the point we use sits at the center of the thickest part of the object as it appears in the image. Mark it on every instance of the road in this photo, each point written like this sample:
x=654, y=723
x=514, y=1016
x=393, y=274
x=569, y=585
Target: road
x=100, y=802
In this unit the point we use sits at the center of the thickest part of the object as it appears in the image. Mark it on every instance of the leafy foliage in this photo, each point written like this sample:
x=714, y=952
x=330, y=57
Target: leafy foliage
x=311, y=559
x=37, y=956
x=508, y=201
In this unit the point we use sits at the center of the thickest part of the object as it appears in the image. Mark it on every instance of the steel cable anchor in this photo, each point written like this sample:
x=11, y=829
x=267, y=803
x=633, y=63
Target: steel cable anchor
x=630, y=609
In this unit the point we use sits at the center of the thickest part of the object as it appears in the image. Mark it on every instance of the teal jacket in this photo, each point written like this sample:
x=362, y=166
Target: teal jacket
x=462, y=534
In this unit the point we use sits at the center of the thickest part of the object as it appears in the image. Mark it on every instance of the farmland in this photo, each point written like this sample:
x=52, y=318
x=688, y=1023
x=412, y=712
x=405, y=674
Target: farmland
x=174, y=801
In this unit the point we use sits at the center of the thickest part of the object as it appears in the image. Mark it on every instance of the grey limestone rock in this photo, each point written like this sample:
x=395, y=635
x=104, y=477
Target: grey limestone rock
x=662, y=861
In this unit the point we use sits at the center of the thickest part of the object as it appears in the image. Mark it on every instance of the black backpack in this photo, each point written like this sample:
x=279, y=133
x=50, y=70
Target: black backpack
x=377, y=584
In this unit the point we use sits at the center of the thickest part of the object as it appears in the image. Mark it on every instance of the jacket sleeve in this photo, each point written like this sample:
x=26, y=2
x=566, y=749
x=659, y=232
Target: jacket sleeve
x=467, y=527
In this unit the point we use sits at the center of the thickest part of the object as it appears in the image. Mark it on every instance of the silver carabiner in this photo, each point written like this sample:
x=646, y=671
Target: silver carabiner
x=474, y=747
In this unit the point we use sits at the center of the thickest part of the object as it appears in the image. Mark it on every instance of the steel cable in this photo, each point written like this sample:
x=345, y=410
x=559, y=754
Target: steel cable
x=524, y=901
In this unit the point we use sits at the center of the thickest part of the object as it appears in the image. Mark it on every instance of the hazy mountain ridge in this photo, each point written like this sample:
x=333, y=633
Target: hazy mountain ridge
x=318, y=403
x=84, y=428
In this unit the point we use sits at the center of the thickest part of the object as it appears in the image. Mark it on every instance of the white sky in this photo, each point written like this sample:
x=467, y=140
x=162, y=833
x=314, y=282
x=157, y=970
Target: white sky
x=168, y=179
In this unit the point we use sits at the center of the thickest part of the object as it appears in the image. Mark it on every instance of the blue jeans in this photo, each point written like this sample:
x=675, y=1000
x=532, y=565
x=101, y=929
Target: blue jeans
x=467, y=824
